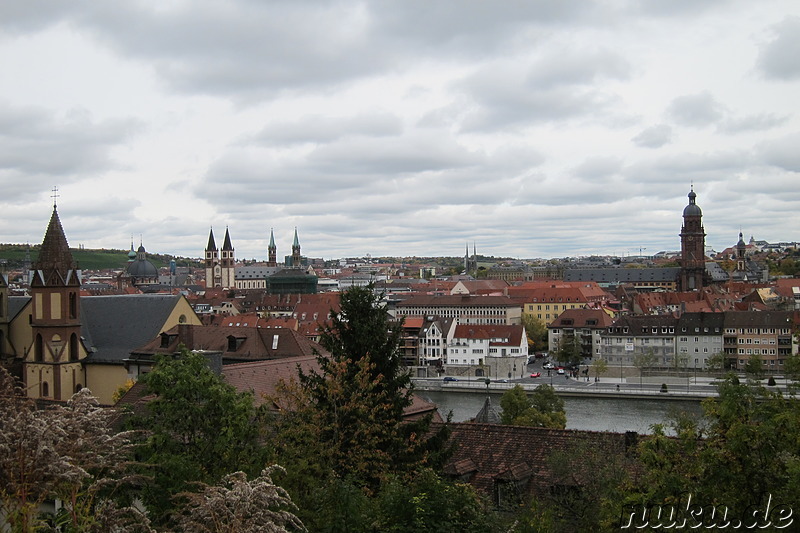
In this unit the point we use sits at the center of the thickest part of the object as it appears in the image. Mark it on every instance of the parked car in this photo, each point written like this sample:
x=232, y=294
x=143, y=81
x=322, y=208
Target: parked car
x=449, y=378
x=561, y=370
x=548, y=365
x=536, y=375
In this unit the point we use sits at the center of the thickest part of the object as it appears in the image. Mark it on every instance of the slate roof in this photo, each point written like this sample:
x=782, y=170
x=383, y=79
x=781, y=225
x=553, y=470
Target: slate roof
x=623, y=275
x=235, y=343
x=488, y=453
x=582, y=318
x=262, y=377
x=112, y=326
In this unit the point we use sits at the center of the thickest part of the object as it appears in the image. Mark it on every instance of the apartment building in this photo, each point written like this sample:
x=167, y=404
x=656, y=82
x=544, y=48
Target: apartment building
x=699, y=337
x=547, y=300
x=632, y=338
x=588, y=325
x=764, y=333
x=502, y=351
x=465, y=309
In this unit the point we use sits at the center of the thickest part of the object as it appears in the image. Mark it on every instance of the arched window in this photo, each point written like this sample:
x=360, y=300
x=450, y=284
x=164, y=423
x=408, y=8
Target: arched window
x=38, y=349
x=45, y=389
x=73, y=305
x=182, y=319
x=73, y=347
x=78, y=387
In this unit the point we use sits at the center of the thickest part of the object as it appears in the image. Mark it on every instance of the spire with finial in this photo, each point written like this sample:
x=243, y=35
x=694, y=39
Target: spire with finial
x=55, y=261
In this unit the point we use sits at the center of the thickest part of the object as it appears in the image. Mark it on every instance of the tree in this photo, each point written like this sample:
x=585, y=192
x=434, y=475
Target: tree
x=346, y=421
x=599, y=367
x=570, y=351
x=199, y=429
x=430, y=503
x=754, y=367
x=643, y=361
x=543, y=408
x=716, y=362
x=746, y=451
x=536, y=331
x=71, y=452
x=237, y=505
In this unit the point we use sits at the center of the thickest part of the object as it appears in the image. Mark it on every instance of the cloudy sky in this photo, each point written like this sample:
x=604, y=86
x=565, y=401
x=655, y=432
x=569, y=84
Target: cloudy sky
x=531, y=128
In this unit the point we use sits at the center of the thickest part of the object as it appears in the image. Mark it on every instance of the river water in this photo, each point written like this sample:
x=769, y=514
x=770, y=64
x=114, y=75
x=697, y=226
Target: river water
x=584, y=413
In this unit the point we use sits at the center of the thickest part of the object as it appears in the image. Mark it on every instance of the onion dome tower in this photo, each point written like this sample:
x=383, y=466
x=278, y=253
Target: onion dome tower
x=693, y=246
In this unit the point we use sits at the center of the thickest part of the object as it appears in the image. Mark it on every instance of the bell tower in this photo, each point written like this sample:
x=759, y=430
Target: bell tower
x=52, y=367
x=213, y=270
x=693, y=247
x=228, y=263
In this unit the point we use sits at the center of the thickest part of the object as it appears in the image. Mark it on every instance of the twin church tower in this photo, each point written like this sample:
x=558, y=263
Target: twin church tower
x=220, y=265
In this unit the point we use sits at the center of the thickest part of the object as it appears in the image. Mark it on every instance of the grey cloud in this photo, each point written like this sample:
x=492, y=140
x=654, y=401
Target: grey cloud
x=780, y=58
x=251, y=50
x=760, y=122
x=39, y=145
x=697, y=110
x=685, y=168
x=324, y=129
x=574, y=67
x=597, y=168
x=654, y=136
x=677, y=8
x=782, y=153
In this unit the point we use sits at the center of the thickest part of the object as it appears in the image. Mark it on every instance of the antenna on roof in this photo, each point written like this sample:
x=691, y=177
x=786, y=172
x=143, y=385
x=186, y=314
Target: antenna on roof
x=55, y=195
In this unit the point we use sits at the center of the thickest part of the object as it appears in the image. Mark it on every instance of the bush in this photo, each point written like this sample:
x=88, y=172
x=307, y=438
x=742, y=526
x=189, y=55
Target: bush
x=664, y=387
x=771, y=381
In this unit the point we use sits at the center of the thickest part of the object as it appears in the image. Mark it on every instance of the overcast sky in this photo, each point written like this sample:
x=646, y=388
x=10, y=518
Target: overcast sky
x=530, y=128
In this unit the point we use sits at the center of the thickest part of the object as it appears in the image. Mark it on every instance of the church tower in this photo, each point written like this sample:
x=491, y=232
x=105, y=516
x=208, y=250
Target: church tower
x=213, y=270
x=272, y=250
x=741, y=249
x=52, y=367
x=296, y=258
x=227, y=263
x=693, y=247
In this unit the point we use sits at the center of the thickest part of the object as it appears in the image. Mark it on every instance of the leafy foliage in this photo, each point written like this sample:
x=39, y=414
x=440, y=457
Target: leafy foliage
x=536, y=330
x=199, y=429
x=542, y=408
x=749, y=448
x=346, y=421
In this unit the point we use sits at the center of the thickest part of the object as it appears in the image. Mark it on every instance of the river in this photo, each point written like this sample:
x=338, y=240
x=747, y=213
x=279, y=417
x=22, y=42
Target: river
x=584, y=413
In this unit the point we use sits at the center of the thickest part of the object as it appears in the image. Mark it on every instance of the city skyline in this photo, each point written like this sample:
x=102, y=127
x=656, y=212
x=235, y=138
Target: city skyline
x=530, y=129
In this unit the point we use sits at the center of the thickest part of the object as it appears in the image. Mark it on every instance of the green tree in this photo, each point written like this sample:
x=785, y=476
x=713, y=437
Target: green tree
x=716, y=362
x=536, y=331
x=754, y=367
x=599, y=367
x=199, y=429
x=346, y=421
x=569, y=351
x=542, y=408
x=643, y=361
x=746, y=450
x=430, y=504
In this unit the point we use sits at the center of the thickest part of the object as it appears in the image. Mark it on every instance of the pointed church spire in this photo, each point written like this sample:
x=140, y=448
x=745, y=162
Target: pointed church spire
x=54, y=253
x=227, y=244
x=296, y=240
x=211, y=244
x=271, y=238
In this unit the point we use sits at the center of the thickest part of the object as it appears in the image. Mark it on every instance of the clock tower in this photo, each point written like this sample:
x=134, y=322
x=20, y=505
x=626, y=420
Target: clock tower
x=693, y=247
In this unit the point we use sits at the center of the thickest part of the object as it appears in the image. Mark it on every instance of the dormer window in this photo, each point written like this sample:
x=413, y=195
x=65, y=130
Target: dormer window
x=234, y=342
